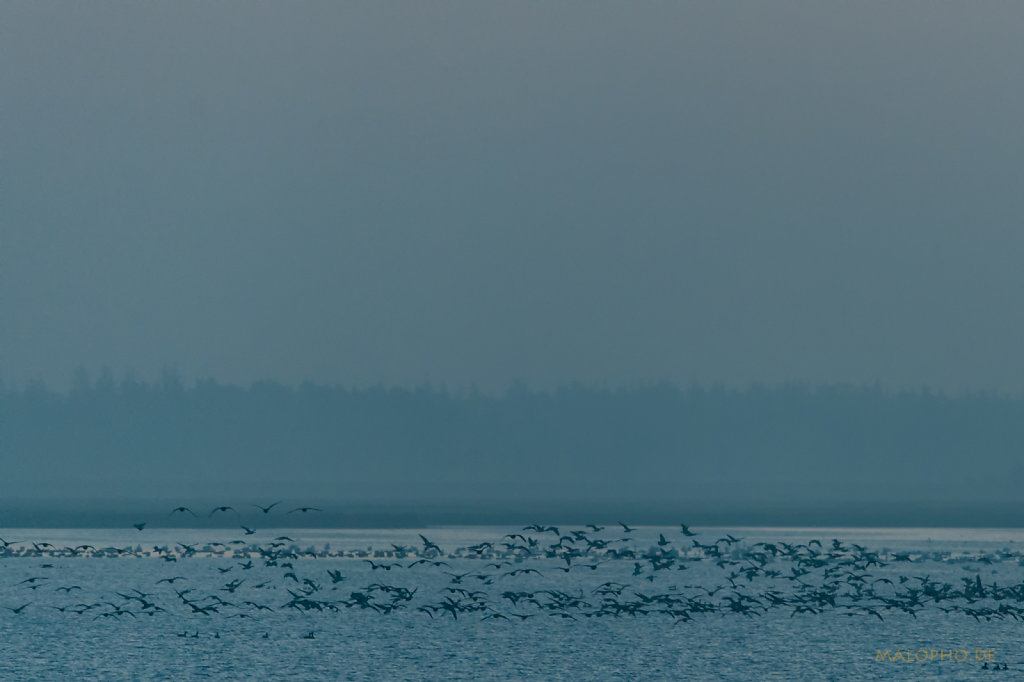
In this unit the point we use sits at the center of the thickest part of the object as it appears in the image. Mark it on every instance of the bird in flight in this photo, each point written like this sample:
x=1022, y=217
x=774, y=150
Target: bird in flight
x=305, y=509
x=222, y=509
x=183, y=509
x=140, y=526
x=266, y=510
x=428, y=545
x=32, y=580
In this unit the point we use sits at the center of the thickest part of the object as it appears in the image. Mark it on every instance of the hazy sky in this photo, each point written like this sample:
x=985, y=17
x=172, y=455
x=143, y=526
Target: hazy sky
x=475, y=193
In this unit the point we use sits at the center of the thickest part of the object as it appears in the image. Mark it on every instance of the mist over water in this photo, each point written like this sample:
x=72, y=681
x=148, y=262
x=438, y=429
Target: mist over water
x=383, y=457
x=510, y=275
x=376, y=514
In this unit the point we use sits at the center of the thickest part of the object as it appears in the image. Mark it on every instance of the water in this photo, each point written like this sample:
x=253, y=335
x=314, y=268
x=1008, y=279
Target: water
x=114, y=615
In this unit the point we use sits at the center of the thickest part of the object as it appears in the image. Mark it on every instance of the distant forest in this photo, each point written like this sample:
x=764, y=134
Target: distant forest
x=125, y=437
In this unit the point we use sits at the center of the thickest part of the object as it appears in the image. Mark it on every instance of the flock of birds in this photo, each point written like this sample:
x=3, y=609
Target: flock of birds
x=520, y=576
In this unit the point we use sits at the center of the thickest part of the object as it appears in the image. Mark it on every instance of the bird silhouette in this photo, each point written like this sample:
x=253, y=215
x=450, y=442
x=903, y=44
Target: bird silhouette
x=798, y=580
x=172, y=580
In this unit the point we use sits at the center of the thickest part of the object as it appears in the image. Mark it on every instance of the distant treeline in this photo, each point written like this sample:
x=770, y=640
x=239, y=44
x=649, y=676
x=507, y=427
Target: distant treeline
x=785, y=443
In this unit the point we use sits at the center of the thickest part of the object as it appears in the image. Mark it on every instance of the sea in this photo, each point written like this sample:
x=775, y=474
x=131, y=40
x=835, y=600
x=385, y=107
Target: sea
x=612, y=602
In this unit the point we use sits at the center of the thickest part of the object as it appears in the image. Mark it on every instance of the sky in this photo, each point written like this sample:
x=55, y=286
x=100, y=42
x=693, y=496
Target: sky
x=479, y=194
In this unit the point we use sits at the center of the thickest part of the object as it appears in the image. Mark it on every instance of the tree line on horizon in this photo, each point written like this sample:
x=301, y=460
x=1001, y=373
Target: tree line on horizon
x=782, y=443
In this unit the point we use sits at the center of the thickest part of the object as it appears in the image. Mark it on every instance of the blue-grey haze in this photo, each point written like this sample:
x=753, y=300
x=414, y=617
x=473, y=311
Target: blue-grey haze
x=463, y=263
x=383, y=457
x=477, y=194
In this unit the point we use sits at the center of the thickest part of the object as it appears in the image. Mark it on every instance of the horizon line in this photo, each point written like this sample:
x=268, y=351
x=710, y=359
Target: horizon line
x=170, y=378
